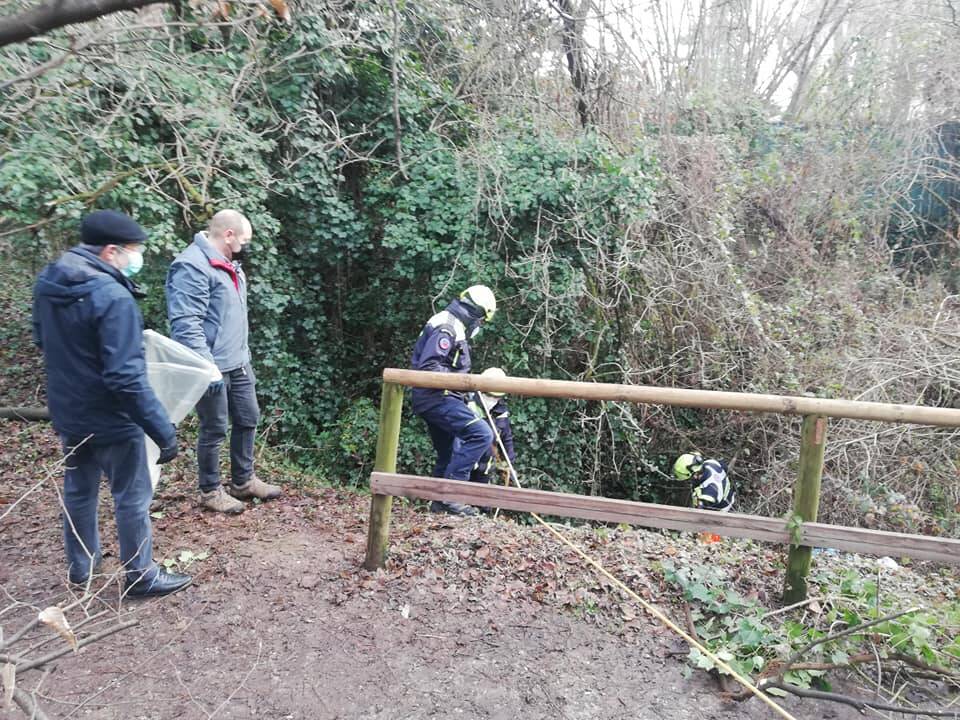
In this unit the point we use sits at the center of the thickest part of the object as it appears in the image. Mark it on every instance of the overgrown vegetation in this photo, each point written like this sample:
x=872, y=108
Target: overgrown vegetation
x=848, y=622
x=637, y=226
x=749, y=637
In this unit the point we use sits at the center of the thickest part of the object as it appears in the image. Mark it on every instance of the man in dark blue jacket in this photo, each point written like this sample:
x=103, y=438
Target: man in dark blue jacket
x=459, y=436
x=89, y=327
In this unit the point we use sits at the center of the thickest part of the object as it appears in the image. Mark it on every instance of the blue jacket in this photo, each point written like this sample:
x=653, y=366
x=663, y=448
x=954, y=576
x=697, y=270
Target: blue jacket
x=443, y=347
x=207, y=305
x=713, y=488
x=87, y=323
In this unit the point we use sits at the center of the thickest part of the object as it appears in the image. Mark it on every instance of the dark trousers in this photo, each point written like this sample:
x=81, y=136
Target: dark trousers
x=125, y=465
x=459, y=437
x=234, y=403
x=484, y=470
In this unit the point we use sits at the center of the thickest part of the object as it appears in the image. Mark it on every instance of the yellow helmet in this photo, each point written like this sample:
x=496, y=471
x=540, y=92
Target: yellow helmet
x=494, y=372
x=687, y=465
x=482, y=297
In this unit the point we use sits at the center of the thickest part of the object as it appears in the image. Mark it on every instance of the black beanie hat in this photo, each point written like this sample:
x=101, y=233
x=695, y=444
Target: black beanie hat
x=109, y=227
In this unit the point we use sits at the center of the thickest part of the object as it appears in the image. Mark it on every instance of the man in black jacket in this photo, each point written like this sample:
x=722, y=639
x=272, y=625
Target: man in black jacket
x=87, y=322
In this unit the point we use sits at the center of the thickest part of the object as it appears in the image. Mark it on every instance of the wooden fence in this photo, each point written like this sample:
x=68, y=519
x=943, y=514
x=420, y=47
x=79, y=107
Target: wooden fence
x=385, y=483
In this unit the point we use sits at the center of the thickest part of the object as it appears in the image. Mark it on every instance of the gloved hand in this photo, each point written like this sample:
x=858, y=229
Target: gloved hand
x=214, y=387
x=168, y=453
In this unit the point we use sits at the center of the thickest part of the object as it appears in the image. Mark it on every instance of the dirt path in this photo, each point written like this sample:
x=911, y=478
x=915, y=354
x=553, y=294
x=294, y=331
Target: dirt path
x=472, y=619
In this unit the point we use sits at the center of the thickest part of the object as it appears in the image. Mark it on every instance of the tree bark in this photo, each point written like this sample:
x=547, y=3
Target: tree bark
x=572, y=42
x=58, y=13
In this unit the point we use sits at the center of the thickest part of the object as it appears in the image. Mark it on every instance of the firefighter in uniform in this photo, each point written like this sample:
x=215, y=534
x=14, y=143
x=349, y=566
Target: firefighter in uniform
x=711, y=486
x=458, y=435
x=496, y=405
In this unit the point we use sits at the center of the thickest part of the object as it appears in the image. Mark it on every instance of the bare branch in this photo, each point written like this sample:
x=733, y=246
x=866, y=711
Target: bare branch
x=859, y=703
x=59, y=13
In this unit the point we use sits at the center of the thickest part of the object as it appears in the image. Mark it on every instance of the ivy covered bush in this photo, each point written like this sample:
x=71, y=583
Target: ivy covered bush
x=726, y=255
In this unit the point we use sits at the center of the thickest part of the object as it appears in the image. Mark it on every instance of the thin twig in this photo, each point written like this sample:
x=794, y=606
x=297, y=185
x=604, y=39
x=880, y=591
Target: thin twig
x=242, y=682
x=855, y=630
x=29, y=665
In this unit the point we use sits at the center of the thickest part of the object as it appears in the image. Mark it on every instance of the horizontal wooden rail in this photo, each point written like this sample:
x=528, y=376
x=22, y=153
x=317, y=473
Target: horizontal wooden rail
x=747, y=402
x=755, y=527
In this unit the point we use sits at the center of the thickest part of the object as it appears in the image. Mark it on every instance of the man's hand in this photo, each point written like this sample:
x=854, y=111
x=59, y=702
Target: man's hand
x=214, y=387
x=168, y=453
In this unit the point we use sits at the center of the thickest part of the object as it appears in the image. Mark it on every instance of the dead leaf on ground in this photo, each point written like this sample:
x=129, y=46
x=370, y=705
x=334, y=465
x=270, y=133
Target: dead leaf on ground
x=282, y=9
x=54, y=617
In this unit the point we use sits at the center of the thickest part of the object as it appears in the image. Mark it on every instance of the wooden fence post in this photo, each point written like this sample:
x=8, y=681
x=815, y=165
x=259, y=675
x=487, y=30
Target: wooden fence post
x=806, y=503
x=388, y=438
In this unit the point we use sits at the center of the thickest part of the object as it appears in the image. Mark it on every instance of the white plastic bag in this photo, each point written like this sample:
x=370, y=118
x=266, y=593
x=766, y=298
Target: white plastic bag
x=179, y=376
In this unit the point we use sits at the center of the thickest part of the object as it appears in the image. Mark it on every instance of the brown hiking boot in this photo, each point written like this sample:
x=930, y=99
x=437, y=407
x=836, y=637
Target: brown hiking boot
x=218, y=501
x=255, y=488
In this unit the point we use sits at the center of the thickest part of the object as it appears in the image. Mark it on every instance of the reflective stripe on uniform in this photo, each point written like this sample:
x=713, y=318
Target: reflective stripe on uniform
x=716, y=488
x=447, y=318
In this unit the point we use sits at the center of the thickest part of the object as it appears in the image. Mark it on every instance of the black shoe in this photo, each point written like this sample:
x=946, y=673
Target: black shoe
x=453, y=508
x=77, y=579
x=163, y=583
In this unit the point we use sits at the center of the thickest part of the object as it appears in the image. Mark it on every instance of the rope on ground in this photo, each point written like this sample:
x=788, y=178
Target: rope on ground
x=652, y=609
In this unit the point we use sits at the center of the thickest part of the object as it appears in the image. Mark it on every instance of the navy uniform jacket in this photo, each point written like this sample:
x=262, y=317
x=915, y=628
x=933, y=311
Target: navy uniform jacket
x=714, y=491
x=443, y=347
x=87, y=323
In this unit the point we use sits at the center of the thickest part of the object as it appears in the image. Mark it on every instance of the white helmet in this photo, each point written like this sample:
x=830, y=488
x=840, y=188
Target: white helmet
x=482, y=297
x=497, y=373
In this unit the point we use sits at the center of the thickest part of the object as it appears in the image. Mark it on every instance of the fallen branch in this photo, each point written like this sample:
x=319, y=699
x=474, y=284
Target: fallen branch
x=921, y=665
x=24, y=413
x=39, y=662
x=29, y=705
x=858, y=703
x=20, y=633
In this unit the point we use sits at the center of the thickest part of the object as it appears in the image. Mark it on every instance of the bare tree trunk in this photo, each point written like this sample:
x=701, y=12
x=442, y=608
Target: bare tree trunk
x=572, y=42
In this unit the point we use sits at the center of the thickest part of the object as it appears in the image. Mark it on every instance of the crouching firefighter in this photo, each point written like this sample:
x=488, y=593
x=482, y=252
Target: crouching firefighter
x=711, y=486
x=496, y=405
x=458, y=435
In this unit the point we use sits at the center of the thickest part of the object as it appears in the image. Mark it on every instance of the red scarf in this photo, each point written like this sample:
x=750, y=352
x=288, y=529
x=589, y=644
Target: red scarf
x=224, y=265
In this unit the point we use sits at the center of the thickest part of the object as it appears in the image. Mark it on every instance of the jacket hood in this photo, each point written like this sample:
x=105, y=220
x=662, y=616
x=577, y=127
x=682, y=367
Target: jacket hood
x=76, y=274
x=466, y=313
